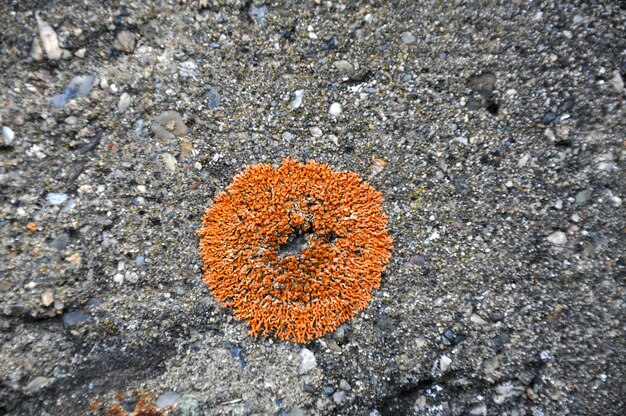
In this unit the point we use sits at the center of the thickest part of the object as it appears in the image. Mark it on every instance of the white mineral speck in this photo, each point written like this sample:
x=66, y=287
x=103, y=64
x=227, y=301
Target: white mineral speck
x=335, y=109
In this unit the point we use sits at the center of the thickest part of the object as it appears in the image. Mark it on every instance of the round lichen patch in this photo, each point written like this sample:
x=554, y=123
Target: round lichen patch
x=295, y=250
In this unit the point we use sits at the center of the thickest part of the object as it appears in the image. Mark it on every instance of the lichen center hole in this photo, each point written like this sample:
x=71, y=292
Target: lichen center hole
x=295, y=244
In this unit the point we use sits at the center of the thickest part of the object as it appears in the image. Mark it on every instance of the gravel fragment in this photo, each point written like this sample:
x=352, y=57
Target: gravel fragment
x=60, y=242
x=125, y=41
x=548, y=118
x=308, y=361
x=407, y=37
x=444, y=363
x=49, y=40
x=335, y=109
x=339, y=397
x=7, y=135
x=557, y=238
x=47, y=298
x=168, y=125
x=75, y=317
x=297, y=99
x=124, y=103
x=167, y=398
x=56, y=198
x=79, y=86
x=169, y=161
x=37, y=384
x=344, y=385
x=617, y=82
x=188, y=406
x=212, y=97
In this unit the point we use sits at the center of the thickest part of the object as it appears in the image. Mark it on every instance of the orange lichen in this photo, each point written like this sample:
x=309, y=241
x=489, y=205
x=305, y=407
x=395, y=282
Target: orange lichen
x=144, y=407
x=295, y=250
x=32, y=226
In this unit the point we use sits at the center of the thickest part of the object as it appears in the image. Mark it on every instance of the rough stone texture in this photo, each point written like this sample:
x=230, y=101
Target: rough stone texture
x=449, y=128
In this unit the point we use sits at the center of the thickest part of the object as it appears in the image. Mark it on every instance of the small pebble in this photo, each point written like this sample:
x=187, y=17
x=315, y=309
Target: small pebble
x=60, y=242
x=557, y=238
x=548, y=118
x=444, y=363
x=343, y=385
x=169, y=161
x=168, y=125
x=7, y=135
x=583, y=196
x=49, y=39
x=124, y=103
x=47, y=298
x=79, y=86
x=212, y=97
x=343, y=66
x=339, y=397
x=616, y=81
x=316, y=132
x=75, y=317
x=188, y=406
x=55, y=198
x=125, y=41
x=297, y=100
x=258, y=14
x=308, y=361
x=478, y=410
x=335, y=109
x=167, y=398
x=407, y=37
x=188, y=69
x=37, y=384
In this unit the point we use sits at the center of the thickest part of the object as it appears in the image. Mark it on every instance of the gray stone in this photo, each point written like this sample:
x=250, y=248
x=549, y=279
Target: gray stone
x=55, y=198
x=343, y=66
x=7, y=135
x=407, y=37
x=169, y=161
x=125, y=41
x=478, y=410
x=343, y=385
x=124, y=103
x=79, y=86
x=444, y=363
x=308, y=361
x=75, y=318
x=188, y=406
x=483, y=84
x=188, y=69
x=557, y=238
x=616, y=81
x=168, y=125
x=37, y=384
x=212, y=97
x=297, y=99
x=296, y=411
x=583, y=196
x=339, y=397
x=490, y=365
x=167, y=398
x=49, y=39
x=60, y=242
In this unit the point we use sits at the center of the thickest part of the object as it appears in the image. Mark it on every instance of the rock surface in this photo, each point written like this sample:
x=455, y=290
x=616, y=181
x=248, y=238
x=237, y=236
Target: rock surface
x=495, y=135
